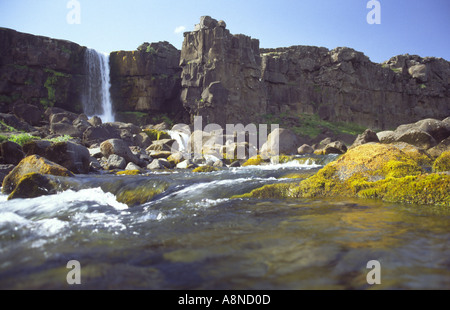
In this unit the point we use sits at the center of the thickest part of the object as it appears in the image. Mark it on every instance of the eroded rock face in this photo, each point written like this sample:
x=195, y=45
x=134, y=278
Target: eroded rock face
x=147, y=80
x=40, y=72
x=221, y=75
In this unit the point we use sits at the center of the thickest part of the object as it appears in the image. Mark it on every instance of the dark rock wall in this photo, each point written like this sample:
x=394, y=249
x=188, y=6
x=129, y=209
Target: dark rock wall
x=146, y=81
x=227, y=79
x=39, y=71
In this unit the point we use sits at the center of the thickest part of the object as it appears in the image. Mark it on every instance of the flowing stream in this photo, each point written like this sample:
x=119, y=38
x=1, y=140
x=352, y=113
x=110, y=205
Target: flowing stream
x=193, y=236
x=96, y=97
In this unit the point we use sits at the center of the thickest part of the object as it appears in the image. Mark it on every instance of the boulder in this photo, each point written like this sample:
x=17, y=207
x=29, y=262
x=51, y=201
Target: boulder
x=33, y=185
x=366, y=137
x=32, y=164
x=159, y=164
x=142, y=140
x=120, y=148
x=160, y=154
x=11, y=153
x=336, y=147
x=28, y=113
x=95, y=121
x=442, y=147
x=186, y=164
x=72, y=156
x=13, y=121
x=372, y=170
x=281, y=141
x=305, y=149
x=161, y=145
x=116, y=162
x=132, y=167
x=439, y=130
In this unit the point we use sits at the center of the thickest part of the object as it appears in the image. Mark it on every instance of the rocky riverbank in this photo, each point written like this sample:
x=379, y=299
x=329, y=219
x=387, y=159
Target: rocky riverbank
x=414, y=157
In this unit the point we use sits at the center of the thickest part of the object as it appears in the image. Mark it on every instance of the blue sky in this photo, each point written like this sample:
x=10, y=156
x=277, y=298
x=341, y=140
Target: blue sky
x=407, y=26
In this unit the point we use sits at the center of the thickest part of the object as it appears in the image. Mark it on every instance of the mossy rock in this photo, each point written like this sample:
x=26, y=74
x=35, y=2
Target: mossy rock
x=442, y=163
x=254, y=161
x=33, y=185
x=30, y=164
x=141, y=194
x=205, y=169
x=157, y=134
x=368, y=171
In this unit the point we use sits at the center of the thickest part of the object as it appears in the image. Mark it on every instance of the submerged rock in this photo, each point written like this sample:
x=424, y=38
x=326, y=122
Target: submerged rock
x=32, y=164
x=369, y=171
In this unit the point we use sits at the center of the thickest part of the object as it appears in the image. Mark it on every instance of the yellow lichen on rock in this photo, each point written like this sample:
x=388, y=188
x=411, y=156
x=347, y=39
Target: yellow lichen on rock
x=442, y=163
x=205, y=169
x=253, y=161
x=369, y=171
x=129, y=172
x=32, y=164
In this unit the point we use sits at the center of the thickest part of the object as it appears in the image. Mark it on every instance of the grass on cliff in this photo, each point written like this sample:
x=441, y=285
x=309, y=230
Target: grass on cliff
x=310, y=125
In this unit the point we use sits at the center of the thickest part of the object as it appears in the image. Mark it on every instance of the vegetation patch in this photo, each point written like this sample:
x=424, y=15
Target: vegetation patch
x=442, y=163
x=205, y=169
x=368, y=171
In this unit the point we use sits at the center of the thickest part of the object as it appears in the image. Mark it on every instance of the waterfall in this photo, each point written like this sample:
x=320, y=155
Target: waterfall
x=97, y=98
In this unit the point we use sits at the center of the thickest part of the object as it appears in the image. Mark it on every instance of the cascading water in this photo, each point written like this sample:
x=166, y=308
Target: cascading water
x=97, y=99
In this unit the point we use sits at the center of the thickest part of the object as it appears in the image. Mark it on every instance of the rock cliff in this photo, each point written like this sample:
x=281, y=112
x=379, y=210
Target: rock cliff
x=146, y=81
x=39, y=71
x=227, y=79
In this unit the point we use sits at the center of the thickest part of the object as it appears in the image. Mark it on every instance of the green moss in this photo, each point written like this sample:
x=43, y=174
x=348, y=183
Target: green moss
x=140, y=194
x=254, y=161
x=429, y=189
x=156, y=134
x=22, y=138
x=51, y=85
x=442, y=163
x=205, y=169
x=6, y=127
x=368, y=171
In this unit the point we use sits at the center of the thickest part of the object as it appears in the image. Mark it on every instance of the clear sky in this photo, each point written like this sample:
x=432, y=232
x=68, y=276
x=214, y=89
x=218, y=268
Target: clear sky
x=419, y=27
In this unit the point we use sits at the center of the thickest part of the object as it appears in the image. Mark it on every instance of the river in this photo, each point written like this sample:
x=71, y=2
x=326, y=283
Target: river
x=193, y=236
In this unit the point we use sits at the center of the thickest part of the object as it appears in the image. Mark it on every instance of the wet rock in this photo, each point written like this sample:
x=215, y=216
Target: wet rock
x=371, y=170
x=442, y=147
x=33, y=185
x=32, y=164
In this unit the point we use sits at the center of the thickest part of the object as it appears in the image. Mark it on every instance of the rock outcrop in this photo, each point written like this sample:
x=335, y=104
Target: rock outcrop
x=228, y=79
x=221, y=75
x=41, y=72
x=146, y=82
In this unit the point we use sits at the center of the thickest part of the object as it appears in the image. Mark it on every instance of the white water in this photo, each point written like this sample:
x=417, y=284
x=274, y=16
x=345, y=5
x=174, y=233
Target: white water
x=181, y=138
x=97, y=98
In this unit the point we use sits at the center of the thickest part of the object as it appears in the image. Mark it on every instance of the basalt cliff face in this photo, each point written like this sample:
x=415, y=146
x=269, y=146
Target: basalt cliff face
x=39, y=71
x=227, y=79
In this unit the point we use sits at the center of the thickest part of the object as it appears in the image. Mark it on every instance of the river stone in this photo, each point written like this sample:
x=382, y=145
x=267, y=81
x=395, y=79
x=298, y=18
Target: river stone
x=281, y=141
x=158, y=164
x=132, y=166
x=120, y=148
x=187, y=164
x=305, y=149
x=29, y=113
x=366, y=137
x=116, y=162
x=336, y=147
x=30, y=164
